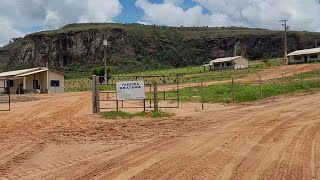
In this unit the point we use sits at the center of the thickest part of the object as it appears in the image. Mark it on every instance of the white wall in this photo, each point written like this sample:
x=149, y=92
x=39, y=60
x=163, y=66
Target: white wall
x=2, y=84
x=60, y=78
x=301, y=58
x=241, y=63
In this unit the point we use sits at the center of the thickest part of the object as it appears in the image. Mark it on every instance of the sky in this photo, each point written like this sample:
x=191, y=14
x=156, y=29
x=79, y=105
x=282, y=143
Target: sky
x=21, y=17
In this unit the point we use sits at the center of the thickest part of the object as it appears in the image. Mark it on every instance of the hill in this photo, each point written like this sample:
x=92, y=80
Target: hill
x=77, y=48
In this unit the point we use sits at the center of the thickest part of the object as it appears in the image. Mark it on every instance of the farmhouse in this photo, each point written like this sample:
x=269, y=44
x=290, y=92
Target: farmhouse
x=304, y=56
x=237, y=62
x=35, y=80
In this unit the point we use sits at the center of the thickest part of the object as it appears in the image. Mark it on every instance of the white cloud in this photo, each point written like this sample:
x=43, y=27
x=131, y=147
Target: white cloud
x=24, y=15
x=102, y=11
x=169, y=13
x=7, y=32
x=52, y=20
x=302, y=14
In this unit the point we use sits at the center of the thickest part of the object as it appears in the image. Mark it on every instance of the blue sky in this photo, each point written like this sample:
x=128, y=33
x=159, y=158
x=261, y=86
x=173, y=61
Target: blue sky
x=20, y=17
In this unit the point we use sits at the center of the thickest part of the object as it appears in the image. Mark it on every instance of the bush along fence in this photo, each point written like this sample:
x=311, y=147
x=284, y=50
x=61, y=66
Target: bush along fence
x=238, y=90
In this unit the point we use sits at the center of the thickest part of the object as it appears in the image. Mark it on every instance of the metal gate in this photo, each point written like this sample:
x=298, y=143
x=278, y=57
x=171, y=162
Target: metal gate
x=4, y=97
x=162, y=92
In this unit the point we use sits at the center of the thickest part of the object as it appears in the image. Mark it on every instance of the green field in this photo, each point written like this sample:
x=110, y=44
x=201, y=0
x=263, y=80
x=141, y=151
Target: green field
x=169, y=76
x=242, y=92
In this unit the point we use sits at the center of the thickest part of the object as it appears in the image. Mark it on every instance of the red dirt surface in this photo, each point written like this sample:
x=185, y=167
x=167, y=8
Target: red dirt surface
x=57, y=137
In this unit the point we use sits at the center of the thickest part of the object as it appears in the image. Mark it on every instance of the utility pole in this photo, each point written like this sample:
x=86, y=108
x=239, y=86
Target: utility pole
x=235, y=49
x=284, y=23
x=105, y=46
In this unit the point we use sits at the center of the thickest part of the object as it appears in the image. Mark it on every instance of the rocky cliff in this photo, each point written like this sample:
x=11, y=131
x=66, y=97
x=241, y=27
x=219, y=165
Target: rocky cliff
x=77, y=48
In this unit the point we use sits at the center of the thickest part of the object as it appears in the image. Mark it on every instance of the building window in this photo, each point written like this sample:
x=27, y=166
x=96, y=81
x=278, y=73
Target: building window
x=10, y=83
x=55, y=83
x=314, y=57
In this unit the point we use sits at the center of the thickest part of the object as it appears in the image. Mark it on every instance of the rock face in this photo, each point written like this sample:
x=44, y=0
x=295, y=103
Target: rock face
x=136, y=47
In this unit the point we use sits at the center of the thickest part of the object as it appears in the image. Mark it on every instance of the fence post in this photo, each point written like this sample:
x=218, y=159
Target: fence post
x=156, y=102
x=261, y=95
x=202, y=96
x=301, y=77
x=95, y=95
x=178, y=95
x=233, y=95
x=117, y=104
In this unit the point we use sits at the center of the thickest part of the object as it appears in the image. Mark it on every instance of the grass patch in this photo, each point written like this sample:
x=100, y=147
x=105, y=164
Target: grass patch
x=145, y=114
x=243, y=92
x=306, y=75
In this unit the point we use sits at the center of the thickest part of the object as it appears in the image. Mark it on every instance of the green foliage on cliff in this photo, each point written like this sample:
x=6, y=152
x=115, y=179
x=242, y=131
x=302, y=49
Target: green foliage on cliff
x=77, y=50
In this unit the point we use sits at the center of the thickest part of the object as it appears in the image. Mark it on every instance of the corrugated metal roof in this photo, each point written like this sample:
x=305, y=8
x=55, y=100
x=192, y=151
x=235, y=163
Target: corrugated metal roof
x=227, y=59
x=19, y=72
x=33, y=72
x=305, y=51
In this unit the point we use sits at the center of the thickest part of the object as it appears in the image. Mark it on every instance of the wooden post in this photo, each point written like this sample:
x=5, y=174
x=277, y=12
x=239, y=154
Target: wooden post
x=117, y=105
x=233, y=95
x=301, y=77
x=202, y=96
x=144, y=105
x=156, y=101
x=95, y=95
x=178, y=95
x=261, y=95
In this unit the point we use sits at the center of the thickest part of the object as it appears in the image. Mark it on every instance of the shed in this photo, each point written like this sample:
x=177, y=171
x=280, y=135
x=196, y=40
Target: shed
x=237, y=62
x=35, y=80
x=304, y=56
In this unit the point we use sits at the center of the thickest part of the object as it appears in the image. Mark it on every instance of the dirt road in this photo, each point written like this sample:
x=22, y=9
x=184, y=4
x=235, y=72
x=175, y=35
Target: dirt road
x=58, y=138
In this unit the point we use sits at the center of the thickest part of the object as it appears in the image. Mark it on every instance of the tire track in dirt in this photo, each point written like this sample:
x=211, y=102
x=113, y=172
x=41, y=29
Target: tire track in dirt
x=270, y=141
x=21, y=157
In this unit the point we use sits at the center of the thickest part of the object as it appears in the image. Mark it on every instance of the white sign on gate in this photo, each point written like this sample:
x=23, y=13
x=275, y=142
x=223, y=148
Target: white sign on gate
x=130, y=90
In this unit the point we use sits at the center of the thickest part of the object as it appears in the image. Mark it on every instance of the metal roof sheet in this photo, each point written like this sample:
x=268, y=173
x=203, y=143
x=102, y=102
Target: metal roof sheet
x=305, y=51
x=227, y=59
x=20, y=72
x=33, y=72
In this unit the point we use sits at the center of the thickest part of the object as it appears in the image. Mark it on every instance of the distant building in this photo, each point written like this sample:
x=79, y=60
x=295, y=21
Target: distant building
x=36, y=80
x=237, y=62
x=304, y=56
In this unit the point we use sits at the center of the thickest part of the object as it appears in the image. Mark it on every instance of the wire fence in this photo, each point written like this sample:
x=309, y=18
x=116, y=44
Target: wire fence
x=241, y=90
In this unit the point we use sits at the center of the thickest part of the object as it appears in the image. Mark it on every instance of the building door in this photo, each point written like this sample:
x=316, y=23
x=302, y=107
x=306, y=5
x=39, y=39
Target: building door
x=305, y=58
x=35, y=84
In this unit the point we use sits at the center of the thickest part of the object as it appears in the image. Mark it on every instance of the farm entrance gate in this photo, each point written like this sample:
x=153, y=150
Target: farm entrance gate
x=161, y=92
x=5, y=99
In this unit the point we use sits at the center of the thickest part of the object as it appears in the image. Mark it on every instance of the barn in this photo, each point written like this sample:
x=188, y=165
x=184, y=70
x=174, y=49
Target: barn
x=35, y=80
x=304, y=56
x=237, y=62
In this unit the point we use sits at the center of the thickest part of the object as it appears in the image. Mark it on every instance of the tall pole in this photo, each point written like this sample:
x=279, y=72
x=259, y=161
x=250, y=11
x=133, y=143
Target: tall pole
x=105, y=45
x=284, y=23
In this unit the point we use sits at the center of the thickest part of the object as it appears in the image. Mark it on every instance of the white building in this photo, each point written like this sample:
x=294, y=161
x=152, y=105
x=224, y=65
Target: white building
x=237, y=62
x=35, y=80
x=304, y=56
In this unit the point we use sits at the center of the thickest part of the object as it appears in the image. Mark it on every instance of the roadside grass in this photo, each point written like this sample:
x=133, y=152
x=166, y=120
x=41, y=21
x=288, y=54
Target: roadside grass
x=242, y=92
x=144, y=114
x=305, y=75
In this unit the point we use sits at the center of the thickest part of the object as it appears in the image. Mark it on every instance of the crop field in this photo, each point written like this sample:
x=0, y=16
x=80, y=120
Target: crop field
x=268, y=134
x=169, y=76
